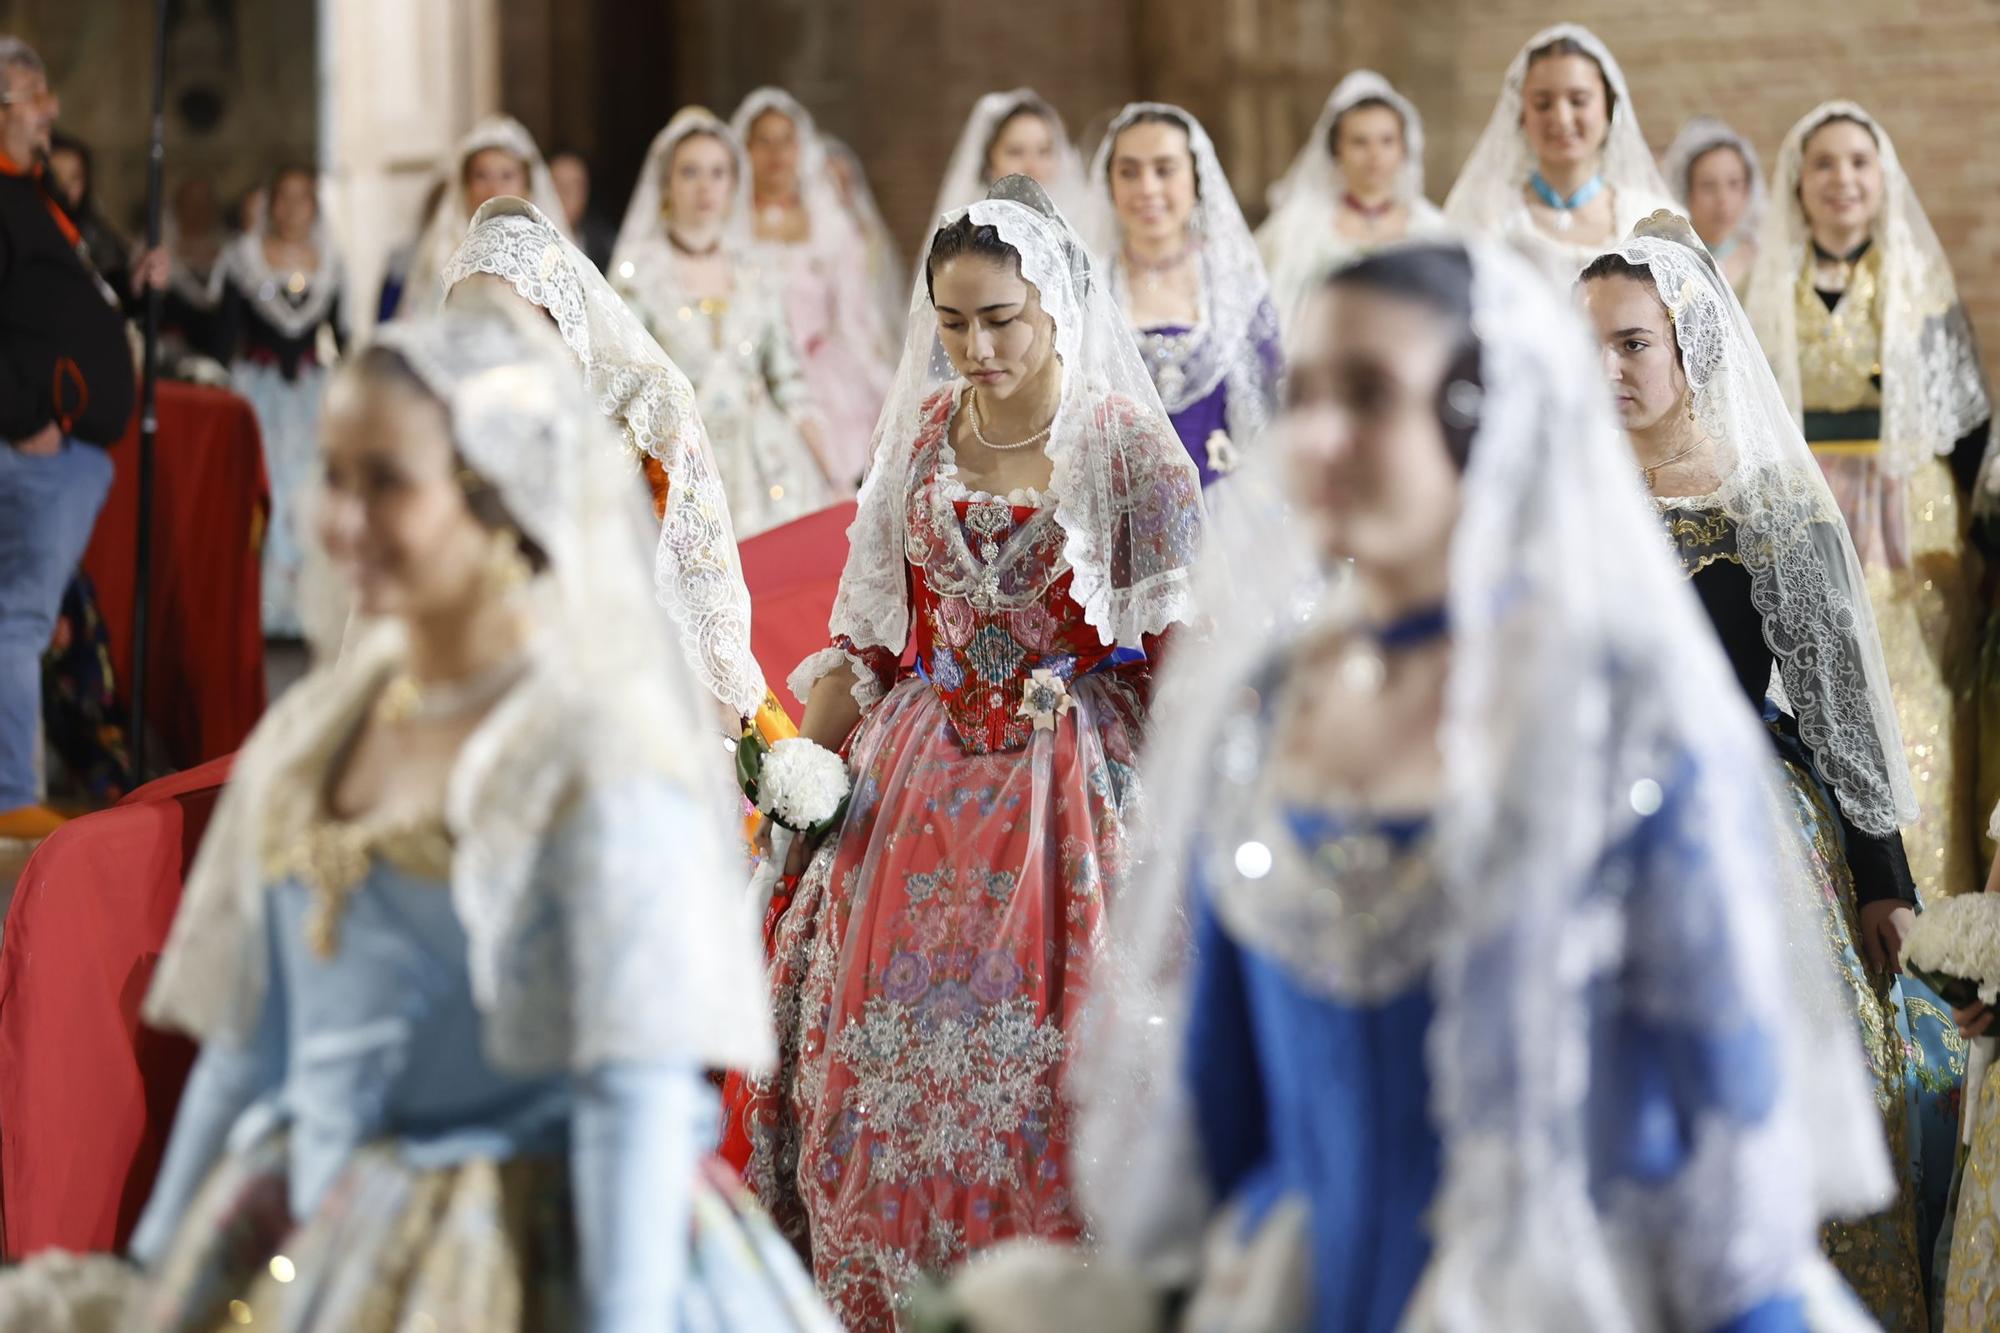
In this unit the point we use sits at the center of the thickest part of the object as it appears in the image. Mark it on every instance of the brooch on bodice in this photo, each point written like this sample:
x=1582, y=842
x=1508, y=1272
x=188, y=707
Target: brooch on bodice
x=1044, y=699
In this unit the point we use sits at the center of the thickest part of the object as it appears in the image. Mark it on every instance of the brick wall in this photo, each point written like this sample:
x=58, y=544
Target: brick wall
x=896, y=78
x=1924, y=67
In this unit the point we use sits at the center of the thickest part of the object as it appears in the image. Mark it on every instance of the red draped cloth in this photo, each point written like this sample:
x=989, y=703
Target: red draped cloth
x=205, y=682
x=87, y=1091
x=793, y=572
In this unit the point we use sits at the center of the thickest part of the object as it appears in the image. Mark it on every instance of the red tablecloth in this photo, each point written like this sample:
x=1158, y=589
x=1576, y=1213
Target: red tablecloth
x=205, y=685
x=793, y=572
x=87, y=1093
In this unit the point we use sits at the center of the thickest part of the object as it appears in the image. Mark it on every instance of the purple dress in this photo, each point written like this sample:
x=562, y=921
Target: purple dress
x=1168, y=351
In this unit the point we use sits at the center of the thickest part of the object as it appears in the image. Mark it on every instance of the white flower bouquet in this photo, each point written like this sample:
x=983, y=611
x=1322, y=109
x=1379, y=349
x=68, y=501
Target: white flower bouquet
x=1955, y=950
x=799, y=783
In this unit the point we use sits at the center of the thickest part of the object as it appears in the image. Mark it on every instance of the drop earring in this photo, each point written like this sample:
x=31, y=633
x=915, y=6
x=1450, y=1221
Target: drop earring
x=506, y=568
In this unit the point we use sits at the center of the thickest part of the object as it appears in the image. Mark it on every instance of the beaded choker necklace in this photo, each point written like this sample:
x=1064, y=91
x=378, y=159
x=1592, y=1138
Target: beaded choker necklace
x=1372, y=212
x=1566, y=207
x=1361, y=666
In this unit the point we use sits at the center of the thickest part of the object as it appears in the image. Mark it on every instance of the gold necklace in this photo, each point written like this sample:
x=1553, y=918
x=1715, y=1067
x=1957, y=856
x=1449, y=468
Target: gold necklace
x=1648, y=471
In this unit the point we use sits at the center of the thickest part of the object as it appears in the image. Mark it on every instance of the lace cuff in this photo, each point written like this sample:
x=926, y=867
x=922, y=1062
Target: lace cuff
x=867, y=689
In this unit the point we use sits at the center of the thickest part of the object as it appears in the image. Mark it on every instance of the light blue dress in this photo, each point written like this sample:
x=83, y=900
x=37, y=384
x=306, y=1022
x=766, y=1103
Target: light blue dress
x=381, y=1045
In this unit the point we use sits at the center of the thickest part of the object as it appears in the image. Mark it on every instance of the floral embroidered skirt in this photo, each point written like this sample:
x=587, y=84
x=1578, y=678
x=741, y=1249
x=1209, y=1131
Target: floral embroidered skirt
x=926, y=977
x=1917, y=1062
x=482, y=1247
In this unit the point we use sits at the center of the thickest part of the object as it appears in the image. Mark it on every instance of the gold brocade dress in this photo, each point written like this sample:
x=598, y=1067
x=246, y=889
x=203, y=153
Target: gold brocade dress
x=1910, y=535
x=1915, y=1056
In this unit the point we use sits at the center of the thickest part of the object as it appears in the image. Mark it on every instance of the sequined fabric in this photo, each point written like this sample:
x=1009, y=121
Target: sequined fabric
x=1971, y=1300
x=1877, y=1255
x=1914, y=1054
x=1909, y=535
x=1840, y=350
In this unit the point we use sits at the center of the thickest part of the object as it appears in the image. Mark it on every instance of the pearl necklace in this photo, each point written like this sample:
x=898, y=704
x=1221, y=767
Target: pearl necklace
x=972, y=419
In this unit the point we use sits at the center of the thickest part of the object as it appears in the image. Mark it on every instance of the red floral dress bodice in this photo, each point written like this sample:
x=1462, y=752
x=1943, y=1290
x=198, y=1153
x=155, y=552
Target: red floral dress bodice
x=997, y=635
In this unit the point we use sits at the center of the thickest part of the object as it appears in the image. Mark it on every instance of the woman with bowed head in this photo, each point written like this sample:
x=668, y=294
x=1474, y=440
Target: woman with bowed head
x=1180, y=260
x=515, y=256
x=282, y=321
x=498, y=157
x=1012, y=133
x=1562, y=171
x=682, y=264
x=1853, y=300
x=1719, y=183
x=1027, y=530
x=1461, y=801
x=1356, y=185
x=1762, y=543
x=462, y=940
x=800, y=231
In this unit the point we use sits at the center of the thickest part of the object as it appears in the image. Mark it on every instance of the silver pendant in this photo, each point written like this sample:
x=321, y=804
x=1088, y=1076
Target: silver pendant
x=1362, y=670
x=1564, y=219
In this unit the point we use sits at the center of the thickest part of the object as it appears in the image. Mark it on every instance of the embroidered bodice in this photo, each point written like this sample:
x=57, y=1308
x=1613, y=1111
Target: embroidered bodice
x=997, y=634
x=1840, y=350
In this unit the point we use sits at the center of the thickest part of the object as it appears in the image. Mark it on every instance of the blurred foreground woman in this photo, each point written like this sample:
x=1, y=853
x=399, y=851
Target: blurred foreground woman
x=1487, y=830
x=467, y=931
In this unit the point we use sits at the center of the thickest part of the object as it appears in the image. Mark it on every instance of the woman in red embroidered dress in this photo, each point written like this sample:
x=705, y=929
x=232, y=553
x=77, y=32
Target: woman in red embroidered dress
x=1026, y=529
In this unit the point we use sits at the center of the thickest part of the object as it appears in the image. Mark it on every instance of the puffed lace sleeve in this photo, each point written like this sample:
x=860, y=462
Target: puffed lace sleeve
x=636, y=942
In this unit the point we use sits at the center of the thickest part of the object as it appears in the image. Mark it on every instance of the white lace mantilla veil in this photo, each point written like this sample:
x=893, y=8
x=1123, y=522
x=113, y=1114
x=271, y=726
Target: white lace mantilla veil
x=1699, y=136
x=449, y=221
x=885, y=263
x=1127, y=497
x=1238, y=319
x=604, y=704
x=1487, y=195
x=1584, y=678
x=1933, y=388
x=1305, y=200
x=645, y=224
x=639, y=388
x=1805, y=577
x=965, y=180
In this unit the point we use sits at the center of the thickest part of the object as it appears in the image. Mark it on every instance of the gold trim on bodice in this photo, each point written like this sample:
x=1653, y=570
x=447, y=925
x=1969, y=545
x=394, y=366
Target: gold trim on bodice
x=1840, y=350
x=1701, y=537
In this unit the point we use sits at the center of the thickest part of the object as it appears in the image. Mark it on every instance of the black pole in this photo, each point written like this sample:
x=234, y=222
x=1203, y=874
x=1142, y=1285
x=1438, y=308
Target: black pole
x=149, y=422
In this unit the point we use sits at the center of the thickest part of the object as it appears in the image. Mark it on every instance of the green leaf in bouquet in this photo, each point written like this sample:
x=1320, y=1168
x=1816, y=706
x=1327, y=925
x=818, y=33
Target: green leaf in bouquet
x=1954, y=991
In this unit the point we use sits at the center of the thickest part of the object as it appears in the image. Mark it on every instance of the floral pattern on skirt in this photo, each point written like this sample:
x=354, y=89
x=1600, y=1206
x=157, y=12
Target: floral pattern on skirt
x=482, y=1247
x=926, y=977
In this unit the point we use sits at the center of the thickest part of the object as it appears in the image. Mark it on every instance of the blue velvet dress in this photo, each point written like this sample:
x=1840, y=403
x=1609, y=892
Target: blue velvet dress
x=1296, y=1094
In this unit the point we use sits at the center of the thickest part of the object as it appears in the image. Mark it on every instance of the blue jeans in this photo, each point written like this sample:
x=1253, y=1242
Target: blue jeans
x=48, y=507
